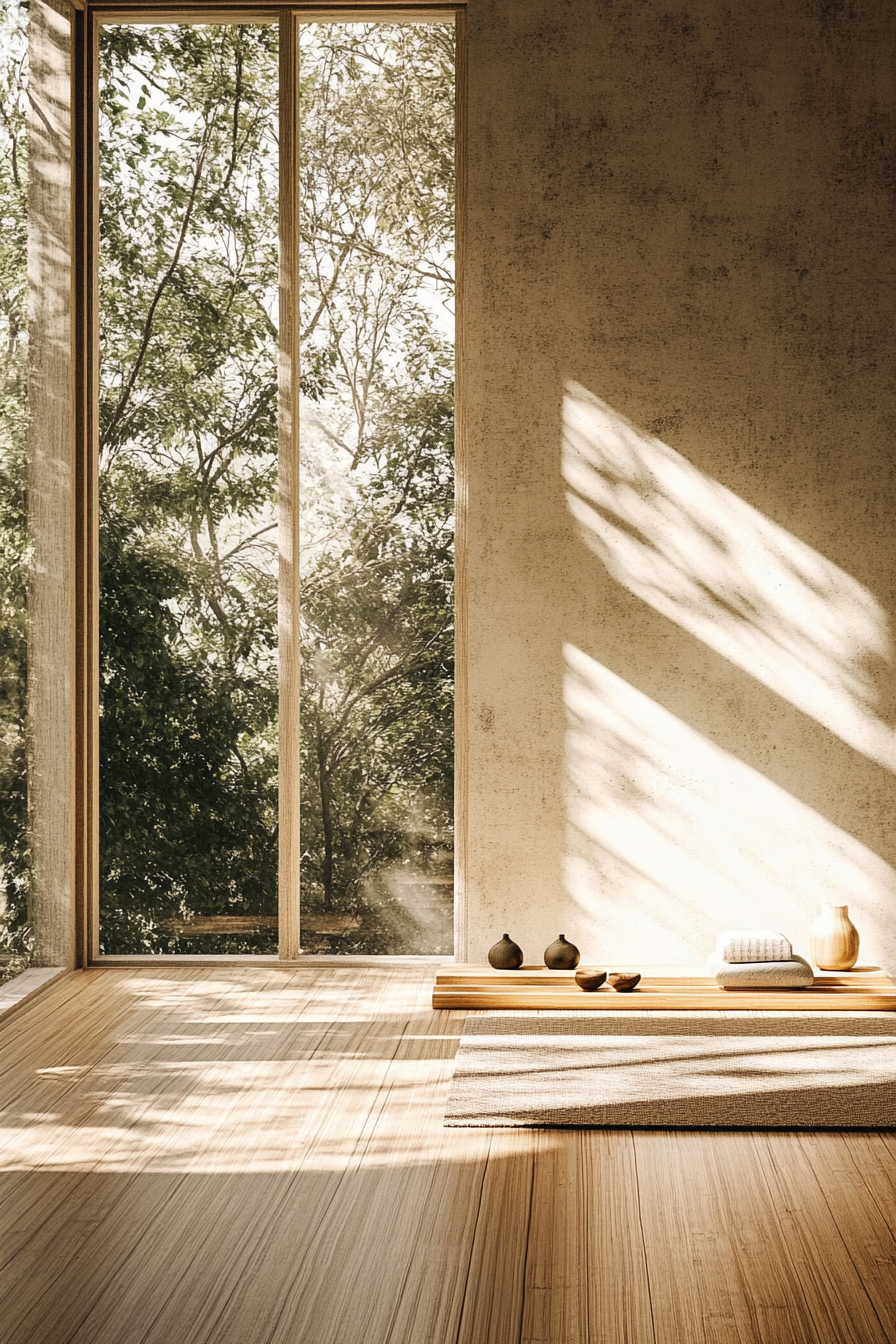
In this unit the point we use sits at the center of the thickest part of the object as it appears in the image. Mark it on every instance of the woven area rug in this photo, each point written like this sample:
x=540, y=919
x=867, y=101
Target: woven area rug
x=676, y=1070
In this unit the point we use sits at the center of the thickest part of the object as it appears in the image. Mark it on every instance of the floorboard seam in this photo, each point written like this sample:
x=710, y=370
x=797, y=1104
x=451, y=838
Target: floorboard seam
x=633, y=1142
x=528, y=1245
x=463, y=1299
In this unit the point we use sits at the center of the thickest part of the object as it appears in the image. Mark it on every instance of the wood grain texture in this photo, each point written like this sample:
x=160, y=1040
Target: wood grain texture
x=818, y=1246
x=683, y=988
x=230, y=1154
x=586, y=1271
x=719, y=1263
x=84, y=494
x=85, y=203
x=288, y=498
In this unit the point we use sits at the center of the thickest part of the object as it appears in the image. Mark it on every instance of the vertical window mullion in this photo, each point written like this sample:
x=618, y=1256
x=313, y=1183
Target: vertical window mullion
x=288, y=596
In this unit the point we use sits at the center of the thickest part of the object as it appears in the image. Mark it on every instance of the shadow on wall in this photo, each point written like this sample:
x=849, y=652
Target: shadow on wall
x=686, y=836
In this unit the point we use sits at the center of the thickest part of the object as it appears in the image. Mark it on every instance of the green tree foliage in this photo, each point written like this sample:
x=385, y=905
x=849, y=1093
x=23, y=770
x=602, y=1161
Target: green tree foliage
x=188, y=481
x=14, y=551
x=188, y=269
x=377, y=221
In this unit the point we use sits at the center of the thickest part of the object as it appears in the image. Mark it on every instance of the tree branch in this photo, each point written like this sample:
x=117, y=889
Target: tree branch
x=160, y=289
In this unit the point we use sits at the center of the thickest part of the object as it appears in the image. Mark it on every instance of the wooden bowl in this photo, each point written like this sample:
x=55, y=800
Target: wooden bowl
x=589, y=979
x=623, y=982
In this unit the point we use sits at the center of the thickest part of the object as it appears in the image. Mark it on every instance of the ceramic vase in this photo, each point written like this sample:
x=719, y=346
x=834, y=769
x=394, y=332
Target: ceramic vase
x=506, y=955
x=561, y=955
x=833, y=940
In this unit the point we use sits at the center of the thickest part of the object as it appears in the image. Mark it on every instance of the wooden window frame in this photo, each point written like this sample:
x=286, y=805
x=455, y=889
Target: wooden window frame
x=88, y=19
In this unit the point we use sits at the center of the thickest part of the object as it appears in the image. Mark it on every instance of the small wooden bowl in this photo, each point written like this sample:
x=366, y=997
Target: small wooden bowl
x=589, y=979
x=623, y=983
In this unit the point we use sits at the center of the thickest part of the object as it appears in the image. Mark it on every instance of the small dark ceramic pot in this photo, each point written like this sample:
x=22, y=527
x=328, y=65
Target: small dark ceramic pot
x=589, y=980
x=561, y=955
x=623, y=983
x=506, y=955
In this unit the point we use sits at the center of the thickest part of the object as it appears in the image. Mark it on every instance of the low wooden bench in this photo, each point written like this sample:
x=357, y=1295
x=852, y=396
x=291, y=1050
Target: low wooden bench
x=662, y=987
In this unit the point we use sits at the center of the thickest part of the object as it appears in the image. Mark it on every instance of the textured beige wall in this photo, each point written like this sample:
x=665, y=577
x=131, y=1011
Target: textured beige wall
x=681, y=473
x=51, y=646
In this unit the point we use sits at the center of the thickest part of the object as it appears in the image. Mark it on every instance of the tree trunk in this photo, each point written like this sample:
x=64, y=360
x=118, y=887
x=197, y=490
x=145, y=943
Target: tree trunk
x=326, y=816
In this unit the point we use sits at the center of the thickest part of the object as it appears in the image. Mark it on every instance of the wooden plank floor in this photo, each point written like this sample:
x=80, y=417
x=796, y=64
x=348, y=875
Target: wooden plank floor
x=238, y=1156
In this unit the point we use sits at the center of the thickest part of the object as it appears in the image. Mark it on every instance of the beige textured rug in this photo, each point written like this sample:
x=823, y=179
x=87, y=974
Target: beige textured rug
x=676, y=1070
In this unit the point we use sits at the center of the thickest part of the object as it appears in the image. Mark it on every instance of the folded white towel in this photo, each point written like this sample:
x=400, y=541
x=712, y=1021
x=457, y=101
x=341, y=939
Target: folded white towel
x=753, y=945
x=794, y=973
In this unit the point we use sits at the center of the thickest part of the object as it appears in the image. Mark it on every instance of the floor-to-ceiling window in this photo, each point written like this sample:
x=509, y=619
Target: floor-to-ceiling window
x=377, y=485
x=189, y=265
x=188, y=476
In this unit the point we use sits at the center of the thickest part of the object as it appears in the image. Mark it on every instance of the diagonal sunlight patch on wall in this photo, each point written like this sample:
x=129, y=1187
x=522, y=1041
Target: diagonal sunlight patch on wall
x=722, y=571
x=671, y=839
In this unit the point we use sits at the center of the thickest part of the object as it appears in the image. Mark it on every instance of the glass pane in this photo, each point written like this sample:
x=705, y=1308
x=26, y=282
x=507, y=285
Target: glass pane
x=15, y=935
x=377, y=487
x=188, y=465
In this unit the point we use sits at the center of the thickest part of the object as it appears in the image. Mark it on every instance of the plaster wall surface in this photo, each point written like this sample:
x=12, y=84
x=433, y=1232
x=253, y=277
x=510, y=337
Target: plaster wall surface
x=680, y=407
x=51, y=643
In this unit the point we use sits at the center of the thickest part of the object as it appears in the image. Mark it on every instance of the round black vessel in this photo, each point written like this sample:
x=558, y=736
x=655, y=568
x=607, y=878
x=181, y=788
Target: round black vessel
x=506, y=955
x=561, y=955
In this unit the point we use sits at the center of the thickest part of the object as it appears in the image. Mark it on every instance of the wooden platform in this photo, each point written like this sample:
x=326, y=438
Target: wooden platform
x=662, y=987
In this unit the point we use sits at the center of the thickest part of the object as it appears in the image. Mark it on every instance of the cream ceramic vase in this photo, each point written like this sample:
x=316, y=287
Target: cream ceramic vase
x=833, y=940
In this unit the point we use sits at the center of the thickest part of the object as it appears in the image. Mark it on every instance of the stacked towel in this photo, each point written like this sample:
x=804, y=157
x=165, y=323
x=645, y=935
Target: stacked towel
x=758, y=959
x=753, y=945
x=794, y=973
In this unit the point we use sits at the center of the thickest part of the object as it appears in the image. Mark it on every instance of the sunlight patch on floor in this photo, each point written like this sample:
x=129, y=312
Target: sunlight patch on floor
x=233, y=1116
